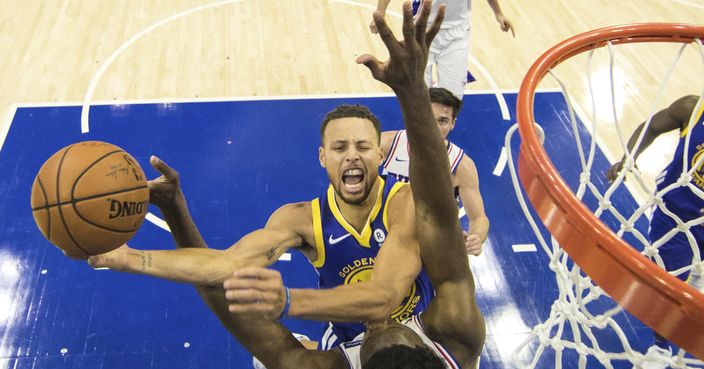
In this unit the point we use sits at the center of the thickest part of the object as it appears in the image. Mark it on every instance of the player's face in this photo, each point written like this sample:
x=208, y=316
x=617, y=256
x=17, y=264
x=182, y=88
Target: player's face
x=351, y=156
x=443, y=116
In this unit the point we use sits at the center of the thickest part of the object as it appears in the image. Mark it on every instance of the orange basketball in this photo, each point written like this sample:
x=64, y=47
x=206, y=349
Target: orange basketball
x=89, y=198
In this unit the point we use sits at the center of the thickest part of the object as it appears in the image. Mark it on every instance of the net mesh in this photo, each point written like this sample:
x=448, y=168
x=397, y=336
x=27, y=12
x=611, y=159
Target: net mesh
x=585, y=327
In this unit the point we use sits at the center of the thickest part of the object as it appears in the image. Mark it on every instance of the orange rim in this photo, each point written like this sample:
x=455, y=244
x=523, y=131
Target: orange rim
x=671, y=307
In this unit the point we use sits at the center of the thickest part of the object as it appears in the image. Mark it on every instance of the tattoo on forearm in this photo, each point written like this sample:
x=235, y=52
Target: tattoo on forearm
x=271, y=253
x=146, y=260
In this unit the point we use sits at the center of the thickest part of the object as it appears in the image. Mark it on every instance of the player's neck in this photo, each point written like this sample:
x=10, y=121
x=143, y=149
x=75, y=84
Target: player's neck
x=358, y=215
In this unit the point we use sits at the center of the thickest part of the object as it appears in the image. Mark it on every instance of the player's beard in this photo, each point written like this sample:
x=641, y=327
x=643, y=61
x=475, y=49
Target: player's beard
x=357, y=199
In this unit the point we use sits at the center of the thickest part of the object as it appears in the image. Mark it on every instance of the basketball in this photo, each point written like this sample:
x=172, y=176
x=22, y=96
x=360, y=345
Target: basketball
x=89, y=198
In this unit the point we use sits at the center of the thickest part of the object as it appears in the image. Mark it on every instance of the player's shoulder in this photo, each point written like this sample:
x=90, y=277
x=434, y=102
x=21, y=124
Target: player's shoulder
x=401, y=190
x=688, y=102
x=399, y=201
x=389, y=134
x=296, y=208
x=387, y=137
x=292, y=214
x=466, y=163
x=683, y=107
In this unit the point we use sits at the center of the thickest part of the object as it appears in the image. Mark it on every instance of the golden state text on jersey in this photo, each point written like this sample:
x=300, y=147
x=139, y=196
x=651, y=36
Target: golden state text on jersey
x=346, y=256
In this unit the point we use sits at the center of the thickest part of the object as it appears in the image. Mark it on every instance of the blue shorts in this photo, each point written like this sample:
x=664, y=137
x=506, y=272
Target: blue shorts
x=676, y=253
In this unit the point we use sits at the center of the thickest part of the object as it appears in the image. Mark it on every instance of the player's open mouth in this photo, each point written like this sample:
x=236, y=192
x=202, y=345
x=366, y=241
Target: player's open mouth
x=353, y=180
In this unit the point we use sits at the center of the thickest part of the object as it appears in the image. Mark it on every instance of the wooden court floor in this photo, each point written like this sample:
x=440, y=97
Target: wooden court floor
x=52, y=50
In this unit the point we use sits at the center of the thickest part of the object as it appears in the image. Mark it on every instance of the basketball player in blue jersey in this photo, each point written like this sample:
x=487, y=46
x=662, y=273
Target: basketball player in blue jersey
x=465, y=180
x=682, y=201
x=341, y=233
x=450, y=333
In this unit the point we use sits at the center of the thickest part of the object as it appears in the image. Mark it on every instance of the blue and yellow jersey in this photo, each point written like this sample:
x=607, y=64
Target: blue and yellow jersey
x=683, y=200
x=346, y=256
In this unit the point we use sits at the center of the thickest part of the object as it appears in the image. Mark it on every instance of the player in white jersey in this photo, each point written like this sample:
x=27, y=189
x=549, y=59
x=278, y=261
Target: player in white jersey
x=450, y=48
x=465, y=180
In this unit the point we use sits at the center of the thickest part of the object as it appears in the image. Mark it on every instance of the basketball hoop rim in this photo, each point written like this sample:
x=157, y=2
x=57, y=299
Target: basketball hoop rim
x=640, y=286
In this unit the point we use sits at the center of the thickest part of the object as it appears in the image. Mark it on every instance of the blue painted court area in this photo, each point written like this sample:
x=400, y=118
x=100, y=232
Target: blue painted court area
x=239, y=161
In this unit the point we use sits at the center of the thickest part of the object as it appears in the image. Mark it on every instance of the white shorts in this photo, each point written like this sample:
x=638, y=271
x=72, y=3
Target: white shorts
x=449, y=52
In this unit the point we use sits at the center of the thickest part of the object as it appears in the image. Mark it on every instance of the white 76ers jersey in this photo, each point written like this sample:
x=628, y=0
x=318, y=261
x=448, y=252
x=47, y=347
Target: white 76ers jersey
x=397, y=161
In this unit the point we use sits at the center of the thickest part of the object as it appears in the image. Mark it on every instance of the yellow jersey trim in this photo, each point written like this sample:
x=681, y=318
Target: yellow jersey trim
x=363, y=238
x=396, y=187
x=318, y=234
x=696, y=121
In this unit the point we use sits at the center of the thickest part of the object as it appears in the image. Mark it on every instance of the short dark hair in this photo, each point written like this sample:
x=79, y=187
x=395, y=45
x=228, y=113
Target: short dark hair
x=347, y=111
x=445, y=97
x=404, y=357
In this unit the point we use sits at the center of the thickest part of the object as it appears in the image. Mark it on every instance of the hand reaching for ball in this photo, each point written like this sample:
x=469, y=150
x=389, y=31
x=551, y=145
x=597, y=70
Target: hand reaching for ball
x=164, y=191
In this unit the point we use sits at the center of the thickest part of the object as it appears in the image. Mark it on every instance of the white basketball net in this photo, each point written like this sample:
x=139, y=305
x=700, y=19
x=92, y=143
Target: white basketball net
x=583, y=315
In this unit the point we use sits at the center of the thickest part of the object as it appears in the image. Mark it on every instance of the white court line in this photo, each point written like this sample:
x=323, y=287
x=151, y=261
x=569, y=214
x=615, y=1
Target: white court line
x=285, y=257
x=499, y=96
x=461, y=213
x=6, y=125
x=157, y=222
x=180, y=100
x=85, y=110
x=524, y=247
x=103, y=67
x=501, y=164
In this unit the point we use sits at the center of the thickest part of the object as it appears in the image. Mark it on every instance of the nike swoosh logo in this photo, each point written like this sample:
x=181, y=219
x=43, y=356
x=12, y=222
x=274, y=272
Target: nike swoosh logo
x=397, y=159
x=333, y=241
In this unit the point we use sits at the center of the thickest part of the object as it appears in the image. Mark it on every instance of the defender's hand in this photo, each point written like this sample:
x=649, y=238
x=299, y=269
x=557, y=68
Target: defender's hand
x=407, y=57
x=473, y=244
x=164, y=190
x=256, y=289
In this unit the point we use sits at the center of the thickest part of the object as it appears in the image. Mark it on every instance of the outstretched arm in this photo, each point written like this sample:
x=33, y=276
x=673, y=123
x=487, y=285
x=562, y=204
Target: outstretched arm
x=198, y=264
x=193, y=262
x=266, y=339
x=676, y=116
x=452, y=317
x=395, y=269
